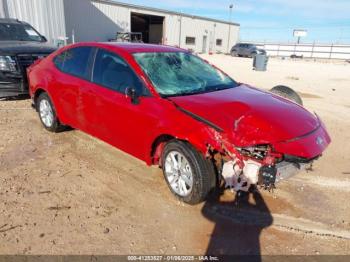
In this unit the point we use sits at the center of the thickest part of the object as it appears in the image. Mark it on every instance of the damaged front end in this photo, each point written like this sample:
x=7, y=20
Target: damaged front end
x=263, y=165
x=256, y=165
x=245, y=166
x=255, y=138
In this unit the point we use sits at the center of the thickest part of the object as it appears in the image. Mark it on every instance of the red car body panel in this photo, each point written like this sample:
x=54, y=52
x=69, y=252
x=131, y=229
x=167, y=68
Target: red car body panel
x=251, y=117
x=260, y=117
x=244, y=116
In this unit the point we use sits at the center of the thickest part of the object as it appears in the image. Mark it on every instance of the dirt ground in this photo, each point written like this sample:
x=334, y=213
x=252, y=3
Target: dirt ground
x=69, y=193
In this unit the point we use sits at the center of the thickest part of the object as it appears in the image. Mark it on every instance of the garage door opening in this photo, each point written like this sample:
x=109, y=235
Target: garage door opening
x=150, y=26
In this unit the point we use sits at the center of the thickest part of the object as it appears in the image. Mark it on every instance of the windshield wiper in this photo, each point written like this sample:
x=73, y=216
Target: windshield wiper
x=207, y=89
x=186, y=93
x=219, y=87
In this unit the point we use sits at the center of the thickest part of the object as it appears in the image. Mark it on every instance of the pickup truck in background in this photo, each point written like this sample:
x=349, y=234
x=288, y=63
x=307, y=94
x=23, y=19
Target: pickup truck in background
x=20, y=46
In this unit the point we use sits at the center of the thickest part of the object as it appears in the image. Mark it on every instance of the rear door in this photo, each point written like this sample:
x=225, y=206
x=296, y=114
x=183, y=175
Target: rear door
x=74, y=73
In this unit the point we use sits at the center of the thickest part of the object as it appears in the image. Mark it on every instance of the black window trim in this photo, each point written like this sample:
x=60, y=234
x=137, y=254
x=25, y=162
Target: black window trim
x=145, y=93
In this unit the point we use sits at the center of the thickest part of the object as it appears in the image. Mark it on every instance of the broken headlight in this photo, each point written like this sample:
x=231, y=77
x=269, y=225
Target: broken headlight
x=258, y=151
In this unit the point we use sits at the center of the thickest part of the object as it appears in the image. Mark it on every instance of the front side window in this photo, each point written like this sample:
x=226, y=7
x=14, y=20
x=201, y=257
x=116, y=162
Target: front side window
x=75, y=61
x=18, y=32
x=113, y=72
x=219, y=42
x=180, y=73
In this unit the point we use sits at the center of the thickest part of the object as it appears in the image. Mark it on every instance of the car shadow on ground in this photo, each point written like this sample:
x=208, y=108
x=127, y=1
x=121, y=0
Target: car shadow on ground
x=238, y=224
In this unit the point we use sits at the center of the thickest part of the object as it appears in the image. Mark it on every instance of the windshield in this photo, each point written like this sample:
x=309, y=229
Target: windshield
x=18, y=32
x=176, y=74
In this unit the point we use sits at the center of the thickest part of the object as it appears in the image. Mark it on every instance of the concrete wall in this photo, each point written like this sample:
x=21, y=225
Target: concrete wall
x=46, y=16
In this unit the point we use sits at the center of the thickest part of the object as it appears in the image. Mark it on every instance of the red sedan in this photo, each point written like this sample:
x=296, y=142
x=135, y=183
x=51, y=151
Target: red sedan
x=170, y=108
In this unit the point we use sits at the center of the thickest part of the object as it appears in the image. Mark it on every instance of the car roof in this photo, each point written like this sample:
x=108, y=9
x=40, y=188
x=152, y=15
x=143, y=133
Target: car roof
x=136, y=47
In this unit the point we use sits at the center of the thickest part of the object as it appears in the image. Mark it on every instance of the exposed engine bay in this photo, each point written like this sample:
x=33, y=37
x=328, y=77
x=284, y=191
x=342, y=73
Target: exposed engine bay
x=255, y=166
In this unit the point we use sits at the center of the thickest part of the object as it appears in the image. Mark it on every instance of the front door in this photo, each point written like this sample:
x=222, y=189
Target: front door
x=111, y=115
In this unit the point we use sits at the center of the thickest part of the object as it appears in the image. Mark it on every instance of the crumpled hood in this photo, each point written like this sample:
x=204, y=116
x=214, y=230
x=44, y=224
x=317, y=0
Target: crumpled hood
x=25, y=47
x=251, y=116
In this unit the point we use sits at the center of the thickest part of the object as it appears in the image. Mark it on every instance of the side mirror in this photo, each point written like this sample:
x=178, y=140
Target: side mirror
x=131, y=92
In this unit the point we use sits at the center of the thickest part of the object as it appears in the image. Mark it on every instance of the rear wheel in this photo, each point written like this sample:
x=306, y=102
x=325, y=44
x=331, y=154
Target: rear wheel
x=188, y=174
x=47, y=113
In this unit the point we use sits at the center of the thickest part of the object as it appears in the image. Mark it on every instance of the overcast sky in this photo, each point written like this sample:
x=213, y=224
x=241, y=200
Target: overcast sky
x=327, y=21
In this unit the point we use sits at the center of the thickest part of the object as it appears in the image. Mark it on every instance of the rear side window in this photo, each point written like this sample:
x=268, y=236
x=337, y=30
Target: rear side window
x=75, y=61
x=59, y=60
x=114, y=73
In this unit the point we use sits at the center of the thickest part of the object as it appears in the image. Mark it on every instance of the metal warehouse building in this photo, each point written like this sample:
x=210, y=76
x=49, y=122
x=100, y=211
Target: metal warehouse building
x=99, y=20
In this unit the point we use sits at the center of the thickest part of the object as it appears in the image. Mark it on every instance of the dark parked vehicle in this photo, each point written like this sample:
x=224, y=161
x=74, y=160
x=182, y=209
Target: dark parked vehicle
x=246, y=50
x=20, y=46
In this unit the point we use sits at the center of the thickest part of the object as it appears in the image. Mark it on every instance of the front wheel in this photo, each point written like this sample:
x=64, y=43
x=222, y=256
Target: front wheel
x=188, y=174
x=47, y=113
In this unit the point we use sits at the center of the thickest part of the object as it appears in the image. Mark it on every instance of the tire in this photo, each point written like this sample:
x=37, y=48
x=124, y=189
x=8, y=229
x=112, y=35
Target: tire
x=233, y=53
x=288, y=93
x=202, y=171
x=44, y=107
